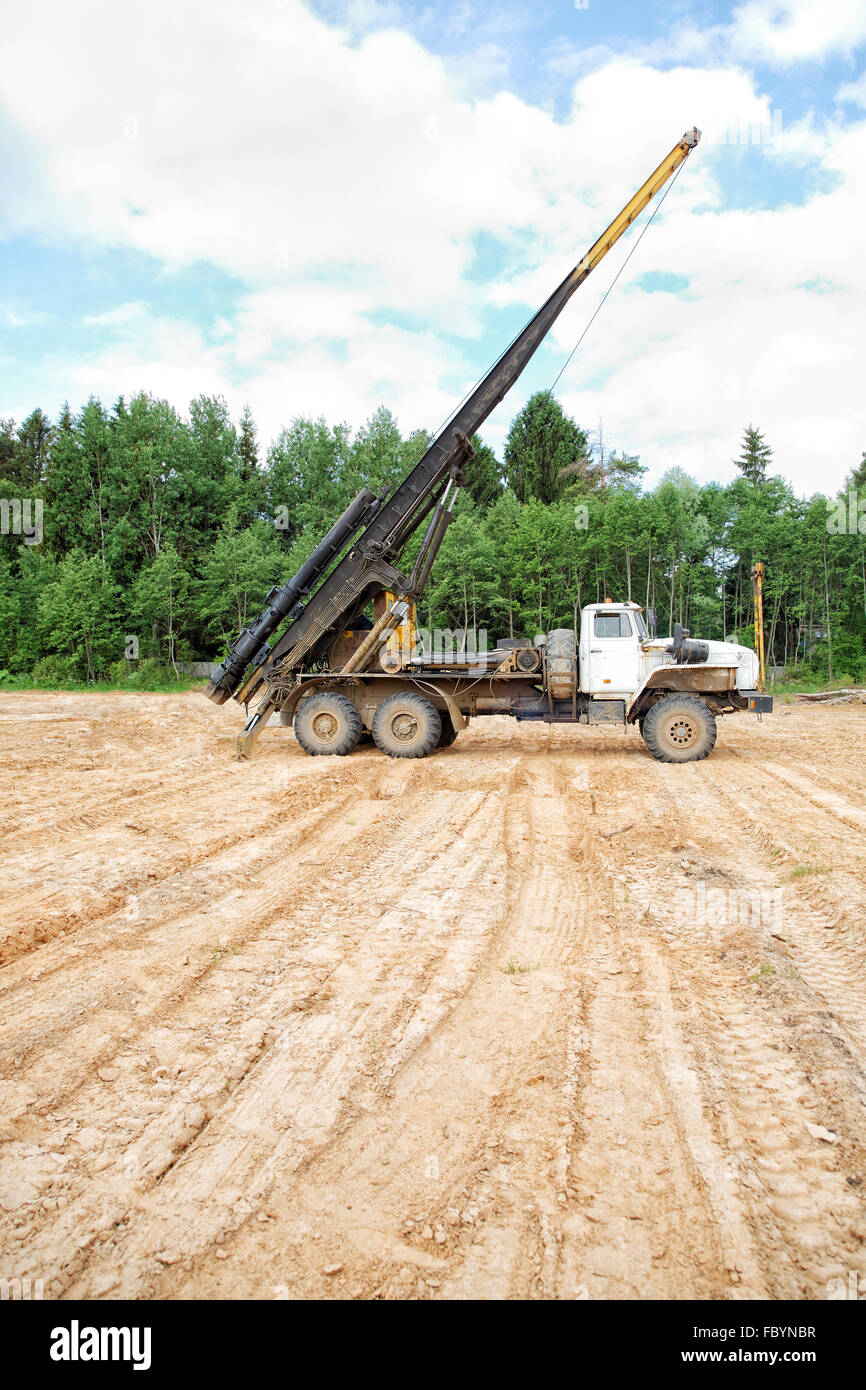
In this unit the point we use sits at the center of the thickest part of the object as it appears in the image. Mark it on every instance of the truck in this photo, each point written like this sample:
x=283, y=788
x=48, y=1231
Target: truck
x=337, y=653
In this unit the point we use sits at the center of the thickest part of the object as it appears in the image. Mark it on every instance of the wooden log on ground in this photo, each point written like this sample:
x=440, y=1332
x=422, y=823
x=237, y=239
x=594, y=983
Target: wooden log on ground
x=843, y=696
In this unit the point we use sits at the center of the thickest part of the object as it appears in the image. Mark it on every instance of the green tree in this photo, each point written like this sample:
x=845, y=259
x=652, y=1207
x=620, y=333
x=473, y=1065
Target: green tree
x=483, y=475
x=7, y=449
x=251, y=492
x=857, y=477
x=33, y=442
x=78, y=612
x=238, y=571
x=307, y=486
x=543, y=448
x=160, y=601
x=755, y=455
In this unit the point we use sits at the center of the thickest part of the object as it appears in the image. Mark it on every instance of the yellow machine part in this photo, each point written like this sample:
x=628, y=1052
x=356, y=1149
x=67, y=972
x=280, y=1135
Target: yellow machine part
x=400, y=644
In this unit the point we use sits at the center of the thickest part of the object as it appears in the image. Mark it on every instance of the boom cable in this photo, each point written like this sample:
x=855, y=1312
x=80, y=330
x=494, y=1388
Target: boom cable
x=643, y=232
x=644, y=229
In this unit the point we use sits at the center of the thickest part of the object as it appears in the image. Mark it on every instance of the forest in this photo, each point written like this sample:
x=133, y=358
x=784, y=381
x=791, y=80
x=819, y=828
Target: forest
x=135, y=540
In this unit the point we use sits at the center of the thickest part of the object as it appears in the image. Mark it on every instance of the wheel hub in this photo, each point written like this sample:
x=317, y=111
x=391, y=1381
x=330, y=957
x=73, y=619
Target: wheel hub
x=404, y=727
x=681, y=732
x=326, y=726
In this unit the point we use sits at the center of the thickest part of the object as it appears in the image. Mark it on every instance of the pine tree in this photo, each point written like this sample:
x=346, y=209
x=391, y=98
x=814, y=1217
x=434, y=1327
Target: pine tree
x=857, y=477
x=25, y=456
x=542, y=448
x=755, y=457
x=248, y=448
x=7, y=446
x=483, y=474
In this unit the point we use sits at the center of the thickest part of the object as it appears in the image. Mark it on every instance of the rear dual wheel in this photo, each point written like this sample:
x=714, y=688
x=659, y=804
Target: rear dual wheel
x=406, y=726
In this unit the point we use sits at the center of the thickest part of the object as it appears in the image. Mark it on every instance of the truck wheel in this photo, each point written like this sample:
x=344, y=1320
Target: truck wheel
x=406, y=726
x=448, y=734
x=679, y=729
x=327, y=724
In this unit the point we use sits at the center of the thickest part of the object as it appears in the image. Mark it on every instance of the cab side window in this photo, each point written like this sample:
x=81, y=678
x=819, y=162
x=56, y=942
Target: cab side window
x=612, y=625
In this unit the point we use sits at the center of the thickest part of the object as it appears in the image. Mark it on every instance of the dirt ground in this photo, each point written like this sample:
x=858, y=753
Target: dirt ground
x=535, y=1017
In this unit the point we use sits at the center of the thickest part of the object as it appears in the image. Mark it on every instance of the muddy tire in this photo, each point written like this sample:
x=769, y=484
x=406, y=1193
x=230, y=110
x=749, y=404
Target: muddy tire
x=561, y=658
x=448, y=734
x=406, y=726
x=679, y=729
x=327, y=725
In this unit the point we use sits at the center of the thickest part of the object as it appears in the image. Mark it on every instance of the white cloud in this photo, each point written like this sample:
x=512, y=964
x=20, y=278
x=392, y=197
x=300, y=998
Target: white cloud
x=338, y=179
x=118, y=317
x=787, y=31
x=853, y=91
x=14, y=318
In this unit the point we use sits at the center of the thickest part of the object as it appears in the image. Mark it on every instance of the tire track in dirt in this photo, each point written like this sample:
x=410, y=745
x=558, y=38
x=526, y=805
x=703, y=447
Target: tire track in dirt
x=809, y=788
x=71, y=900
x=255, y=1102
x=468, y=1046
x=160, y=948
x=430, y=1146
x=819, y=910
x=765, y=1099
x=668, y=1227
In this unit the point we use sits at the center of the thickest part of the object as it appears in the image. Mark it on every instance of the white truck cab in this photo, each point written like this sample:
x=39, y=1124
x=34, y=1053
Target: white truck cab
x=609, y=654
x=617, y=655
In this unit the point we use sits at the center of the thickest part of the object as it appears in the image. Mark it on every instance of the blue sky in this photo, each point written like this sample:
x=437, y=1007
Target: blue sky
x=320, y=208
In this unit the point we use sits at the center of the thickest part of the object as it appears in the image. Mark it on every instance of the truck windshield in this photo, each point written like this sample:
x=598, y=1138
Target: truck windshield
x=641, y=625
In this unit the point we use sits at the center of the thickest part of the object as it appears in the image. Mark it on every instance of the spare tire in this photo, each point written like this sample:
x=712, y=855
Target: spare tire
x=561, y=663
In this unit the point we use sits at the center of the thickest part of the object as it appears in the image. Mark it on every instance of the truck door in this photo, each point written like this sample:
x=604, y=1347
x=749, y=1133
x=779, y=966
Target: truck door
x=614, y=655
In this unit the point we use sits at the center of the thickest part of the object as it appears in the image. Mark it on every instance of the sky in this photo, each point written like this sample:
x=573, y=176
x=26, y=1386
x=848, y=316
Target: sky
x=320, y=208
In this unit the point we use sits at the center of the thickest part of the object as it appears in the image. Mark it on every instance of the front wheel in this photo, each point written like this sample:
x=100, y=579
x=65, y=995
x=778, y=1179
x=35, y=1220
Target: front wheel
x=327, y=724
x=679, y=729
x=406, y=726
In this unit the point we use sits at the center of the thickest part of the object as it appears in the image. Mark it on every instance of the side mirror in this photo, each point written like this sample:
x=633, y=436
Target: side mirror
x=651, y=621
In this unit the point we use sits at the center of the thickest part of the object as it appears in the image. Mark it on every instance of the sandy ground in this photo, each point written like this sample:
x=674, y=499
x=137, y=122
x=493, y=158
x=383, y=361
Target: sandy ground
x=535, y=1017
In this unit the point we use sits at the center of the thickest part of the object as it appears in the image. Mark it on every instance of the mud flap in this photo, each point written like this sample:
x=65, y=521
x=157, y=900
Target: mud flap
x=758, y=702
